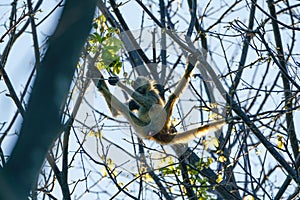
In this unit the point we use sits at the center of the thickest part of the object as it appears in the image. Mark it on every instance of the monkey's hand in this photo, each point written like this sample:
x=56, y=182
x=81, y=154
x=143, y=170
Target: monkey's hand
x=113, y=80
x=133, y=105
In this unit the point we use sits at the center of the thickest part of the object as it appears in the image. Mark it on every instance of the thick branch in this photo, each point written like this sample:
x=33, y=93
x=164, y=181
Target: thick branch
x=286, y=84
x=42, y=121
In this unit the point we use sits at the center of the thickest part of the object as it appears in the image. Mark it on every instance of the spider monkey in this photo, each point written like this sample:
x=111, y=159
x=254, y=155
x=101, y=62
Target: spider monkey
x=153, y=119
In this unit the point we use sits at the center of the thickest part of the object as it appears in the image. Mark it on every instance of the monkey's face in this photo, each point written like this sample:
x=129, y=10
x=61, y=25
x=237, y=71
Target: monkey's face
x=142, y=85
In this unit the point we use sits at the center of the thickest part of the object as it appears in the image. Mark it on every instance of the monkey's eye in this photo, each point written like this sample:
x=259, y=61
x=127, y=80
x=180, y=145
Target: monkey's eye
x=113, y=80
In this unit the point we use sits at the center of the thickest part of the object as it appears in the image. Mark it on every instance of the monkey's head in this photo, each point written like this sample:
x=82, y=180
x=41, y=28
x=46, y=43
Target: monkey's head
x=142, y=84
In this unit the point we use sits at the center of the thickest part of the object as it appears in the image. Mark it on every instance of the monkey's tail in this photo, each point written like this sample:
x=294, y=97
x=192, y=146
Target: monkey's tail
x=187, y=136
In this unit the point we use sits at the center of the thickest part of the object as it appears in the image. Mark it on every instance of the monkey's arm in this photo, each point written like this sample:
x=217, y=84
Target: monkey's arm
x=114, y=80
x=102, y=87
x=144, y=100
x=115, y=104
x=180, y=87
